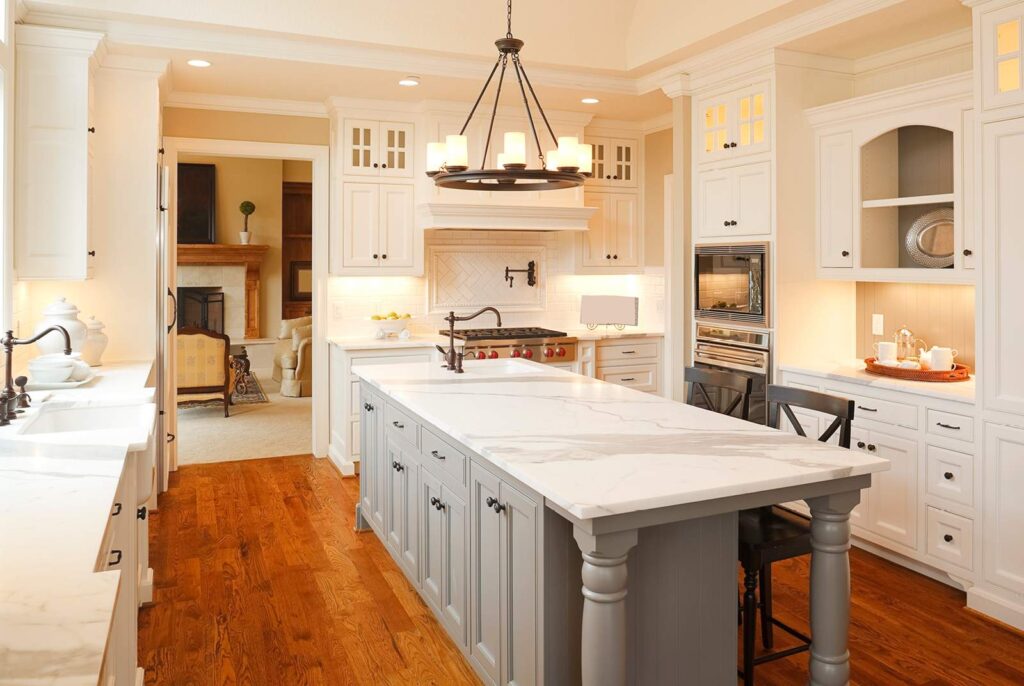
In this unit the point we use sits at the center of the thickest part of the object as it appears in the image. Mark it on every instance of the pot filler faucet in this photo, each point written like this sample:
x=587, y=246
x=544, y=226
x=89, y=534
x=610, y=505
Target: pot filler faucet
x=452, y=359
x=8, y=397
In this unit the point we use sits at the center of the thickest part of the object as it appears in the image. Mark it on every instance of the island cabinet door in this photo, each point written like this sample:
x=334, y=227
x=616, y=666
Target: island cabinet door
x=892, y=510
x=454, y=594
x=369, y=468
x=520, y=585
x=485, y=574
x=401, y=511
x=432, y=539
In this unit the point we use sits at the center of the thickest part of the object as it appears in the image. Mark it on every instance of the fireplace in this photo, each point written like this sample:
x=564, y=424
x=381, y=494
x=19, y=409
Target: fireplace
x=202, y=307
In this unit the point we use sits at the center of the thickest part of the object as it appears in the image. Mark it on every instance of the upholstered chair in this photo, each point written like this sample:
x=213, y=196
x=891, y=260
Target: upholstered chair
x=293, y=357
x=203, y=371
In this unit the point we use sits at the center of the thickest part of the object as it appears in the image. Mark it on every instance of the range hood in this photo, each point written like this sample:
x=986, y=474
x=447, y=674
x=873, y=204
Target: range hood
x=446, y=215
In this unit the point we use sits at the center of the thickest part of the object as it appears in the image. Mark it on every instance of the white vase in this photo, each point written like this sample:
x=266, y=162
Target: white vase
x=95, y=343
x=244, y=237
x=61, y=313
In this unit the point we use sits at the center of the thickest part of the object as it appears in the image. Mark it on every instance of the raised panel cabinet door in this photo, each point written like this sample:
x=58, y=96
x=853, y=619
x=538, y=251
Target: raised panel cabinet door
x=893, y=511
x=1003, y=507
x=380, y=455
x=753, y=193
x=1002, y=59
x=625, y=230
x=859, y=515
x=485, y=556
x=432, y=539
x=455, y=591
x=594, y=246
x=836, y=192
x=715, y=195
x=520, y=585
x=1003, y=208
x=360, y=147
x=411, y=510
x=397, y=225
x=360, y=224
x=368, y=461
x=624, y=163
x=394, y=516
x=395, y=149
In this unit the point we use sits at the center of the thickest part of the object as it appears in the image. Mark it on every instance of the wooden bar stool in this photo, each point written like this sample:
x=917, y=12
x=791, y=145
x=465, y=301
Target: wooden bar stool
x=701, y=380
x=771, y=534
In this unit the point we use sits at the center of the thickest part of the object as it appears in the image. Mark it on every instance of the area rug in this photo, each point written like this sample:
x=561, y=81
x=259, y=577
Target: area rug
x=254, y=395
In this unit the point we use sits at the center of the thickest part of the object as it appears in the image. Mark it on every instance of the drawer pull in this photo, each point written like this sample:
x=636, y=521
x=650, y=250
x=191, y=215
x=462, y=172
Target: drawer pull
x=948, y=476
x=437, y=455
x=436, y=502
x=628, y=378
x=398, y=425
x=867, y=409
x=141, y=513
x=948, y=538
x=116, y=554
x=116, y=511
x=948, y=426
x=629, y=352
x=494, y=504
x=398, y=466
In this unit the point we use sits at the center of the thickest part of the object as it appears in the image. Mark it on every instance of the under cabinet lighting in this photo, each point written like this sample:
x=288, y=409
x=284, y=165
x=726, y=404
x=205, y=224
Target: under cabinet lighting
x=590, y=101
x=202, y=64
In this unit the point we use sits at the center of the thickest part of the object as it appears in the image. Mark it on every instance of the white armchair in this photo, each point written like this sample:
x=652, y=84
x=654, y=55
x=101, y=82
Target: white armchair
x=293, y=357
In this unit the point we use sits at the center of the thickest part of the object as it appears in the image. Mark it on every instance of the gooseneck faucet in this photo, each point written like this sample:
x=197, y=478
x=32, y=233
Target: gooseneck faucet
x=453, y=360
x=8, y=397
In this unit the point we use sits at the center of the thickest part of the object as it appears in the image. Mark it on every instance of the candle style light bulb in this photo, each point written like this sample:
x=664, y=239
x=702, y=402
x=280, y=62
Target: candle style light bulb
x=585, y=155
x=551, y=161
x=515, y=147
x=568, y=151
x=457, y=151
x=435, y=156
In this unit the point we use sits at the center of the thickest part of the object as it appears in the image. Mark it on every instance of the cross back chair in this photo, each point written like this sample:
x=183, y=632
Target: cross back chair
x=701, y=380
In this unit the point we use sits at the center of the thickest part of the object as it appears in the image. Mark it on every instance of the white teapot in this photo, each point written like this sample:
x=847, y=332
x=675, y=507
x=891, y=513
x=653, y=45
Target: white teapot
x=938, y=359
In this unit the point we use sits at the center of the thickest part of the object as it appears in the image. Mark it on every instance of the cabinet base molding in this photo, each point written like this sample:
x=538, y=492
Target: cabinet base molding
x=146, y=587
x=1004, y=606
x=910, y=563
x=346, y=467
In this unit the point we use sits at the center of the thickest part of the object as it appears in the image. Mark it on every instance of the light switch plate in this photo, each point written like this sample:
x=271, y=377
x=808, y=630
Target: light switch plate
x=877, y=325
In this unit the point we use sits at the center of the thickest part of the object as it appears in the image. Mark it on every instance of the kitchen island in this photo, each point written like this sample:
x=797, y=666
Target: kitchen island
x=489, y=487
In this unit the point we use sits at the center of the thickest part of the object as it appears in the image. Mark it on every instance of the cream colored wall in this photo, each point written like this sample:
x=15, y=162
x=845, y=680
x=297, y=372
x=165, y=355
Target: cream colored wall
x=245, y=126
x=298, y=171
x=940, y=314
x=814, y=319
x=657, y=163
x=257, y=180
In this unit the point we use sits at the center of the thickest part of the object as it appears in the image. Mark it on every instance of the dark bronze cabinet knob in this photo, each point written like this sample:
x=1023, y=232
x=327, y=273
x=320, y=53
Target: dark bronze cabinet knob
x=845, y=253
x=968, y=252
x=384, y=256
x=375, y=256
x=861, y=444
x=872, y=447
x=948, y=538
x=948, y=476
x=375, y=165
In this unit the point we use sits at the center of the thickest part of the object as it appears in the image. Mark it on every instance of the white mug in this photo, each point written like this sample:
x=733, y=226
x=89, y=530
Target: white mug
x=886, y=351
x=941, y=358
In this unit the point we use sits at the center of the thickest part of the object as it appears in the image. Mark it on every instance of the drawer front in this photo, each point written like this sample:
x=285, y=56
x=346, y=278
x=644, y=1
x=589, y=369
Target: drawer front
x=801, y=381
x=950, y=538
x=950, y=425
x=641, y=377
x=878, y=410
x=400, y=424
x=441, y=457
x=950, y=475
x=417, y=356
x=626, y=352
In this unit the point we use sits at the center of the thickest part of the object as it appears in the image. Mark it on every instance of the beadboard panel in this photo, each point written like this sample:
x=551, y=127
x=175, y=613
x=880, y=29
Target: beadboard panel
x=940, y=314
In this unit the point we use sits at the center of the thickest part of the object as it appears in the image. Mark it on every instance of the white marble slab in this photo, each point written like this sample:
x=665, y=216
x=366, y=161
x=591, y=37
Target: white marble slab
x=388, y=343
x=853, y=370
x=595, y=448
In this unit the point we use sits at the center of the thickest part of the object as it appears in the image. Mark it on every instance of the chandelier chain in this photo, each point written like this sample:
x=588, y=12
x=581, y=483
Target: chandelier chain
x=508, y=34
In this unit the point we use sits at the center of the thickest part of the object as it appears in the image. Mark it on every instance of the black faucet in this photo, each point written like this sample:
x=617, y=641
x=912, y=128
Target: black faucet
x=8, y=397
x=452, y=359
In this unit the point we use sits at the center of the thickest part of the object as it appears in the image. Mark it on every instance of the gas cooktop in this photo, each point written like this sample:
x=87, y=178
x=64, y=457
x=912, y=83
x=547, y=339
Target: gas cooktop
x=505, y=333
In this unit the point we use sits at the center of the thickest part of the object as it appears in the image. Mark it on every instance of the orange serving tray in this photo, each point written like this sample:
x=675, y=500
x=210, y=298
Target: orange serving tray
x=959, y=373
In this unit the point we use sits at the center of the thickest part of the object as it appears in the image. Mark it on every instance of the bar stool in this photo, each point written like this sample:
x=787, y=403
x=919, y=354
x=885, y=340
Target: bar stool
x=701, y=380
x=772, y=534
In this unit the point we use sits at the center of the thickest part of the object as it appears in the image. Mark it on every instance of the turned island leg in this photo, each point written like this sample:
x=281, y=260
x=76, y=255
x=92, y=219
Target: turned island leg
x=830, y=588
x=603, y=645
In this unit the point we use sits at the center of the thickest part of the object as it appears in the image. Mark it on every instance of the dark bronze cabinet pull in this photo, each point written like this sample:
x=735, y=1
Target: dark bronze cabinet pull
x=494, y=504
x=436, y=502
x=141, y=513
x=629, y=352
x=398, y=425
x=116, y=554
x=948, y=476
x=437, y=455
x=629, y=378
x=867, y=409
x=948, y=426
x=116, y=511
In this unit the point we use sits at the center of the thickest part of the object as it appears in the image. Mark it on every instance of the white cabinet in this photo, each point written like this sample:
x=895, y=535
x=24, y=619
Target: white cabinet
x=735, y=201
x=891, y=502
x=633, y=362
x=616, y=162
x=378, y=148
x=835, y=200
x=53, y=153
x=613, y=240
x=1004, y=508
x=735, y=123
x=378, y=226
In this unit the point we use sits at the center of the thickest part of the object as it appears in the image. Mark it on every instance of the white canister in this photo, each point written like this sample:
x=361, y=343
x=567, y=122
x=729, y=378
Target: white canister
x=61, y=313
x=95, y=342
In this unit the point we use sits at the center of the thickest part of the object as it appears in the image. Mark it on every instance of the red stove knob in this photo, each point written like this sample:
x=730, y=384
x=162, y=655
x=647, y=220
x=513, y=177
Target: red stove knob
x=493, y=355
x=481, y=355
x=517, y=353
x=549, y=352
x=560, y=352
x=528, y=354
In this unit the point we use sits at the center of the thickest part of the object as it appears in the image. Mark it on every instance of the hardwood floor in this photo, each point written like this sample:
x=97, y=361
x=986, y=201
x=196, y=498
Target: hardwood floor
x=260, y=580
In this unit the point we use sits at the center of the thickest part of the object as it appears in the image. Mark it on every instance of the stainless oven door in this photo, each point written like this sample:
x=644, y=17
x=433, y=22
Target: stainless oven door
x=754, y=364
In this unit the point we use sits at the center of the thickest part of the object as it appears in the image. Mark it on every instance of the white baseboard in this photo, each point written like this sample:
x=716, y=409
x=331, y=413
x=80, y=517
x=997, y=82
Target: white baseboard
x=346, y=467
x=904, y=561
x=997, y=605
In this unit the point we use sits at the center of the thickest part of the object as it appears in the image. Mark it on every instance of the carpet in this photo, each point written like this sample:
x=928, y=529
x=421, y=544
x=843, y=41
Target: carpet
x=278, y=427
x=253, y=394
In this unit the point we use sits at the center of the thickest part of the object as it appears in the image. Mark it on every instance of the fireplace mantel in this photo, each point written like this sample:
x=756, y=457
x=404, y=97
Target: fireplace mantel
x=248, y=256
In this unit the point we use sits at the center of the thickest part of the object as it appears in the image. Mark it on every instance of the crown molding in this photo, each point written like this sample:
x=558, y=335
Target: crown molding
x=57, y=37
x=235, y=103
x=930, y=48
x=958, y=87
x=143, y=65
x=675, y=85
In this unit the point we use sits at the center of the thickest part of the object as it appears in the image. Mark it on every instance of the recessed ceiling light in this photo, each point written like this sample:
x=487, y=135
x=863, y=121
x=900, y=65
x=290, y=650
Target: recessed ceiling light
x=202, y=64
x=590, y=101
x=409, y=81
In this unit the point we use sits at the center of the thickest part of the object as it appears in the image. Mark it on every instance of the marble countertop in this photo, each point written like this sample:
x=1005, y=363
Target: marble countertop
x=853, y=371
x=429, y=341
x=56, y=496
x=595, y=449
x=601, y=334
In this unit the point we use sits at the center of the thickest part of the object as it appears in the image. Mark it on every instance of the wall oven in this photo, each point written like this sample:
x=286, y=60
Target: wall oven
x=738, y=351
x=731, y=283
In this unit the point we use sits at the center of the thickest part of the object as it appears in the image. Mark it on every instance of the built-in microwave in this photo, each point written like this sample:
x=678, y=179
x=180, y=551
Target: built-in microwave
x=731, y=283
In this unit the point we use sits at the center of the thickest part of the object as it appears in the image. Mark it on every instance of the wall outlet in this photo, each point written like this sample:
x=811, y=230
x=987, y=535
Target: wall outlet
x=877, y=325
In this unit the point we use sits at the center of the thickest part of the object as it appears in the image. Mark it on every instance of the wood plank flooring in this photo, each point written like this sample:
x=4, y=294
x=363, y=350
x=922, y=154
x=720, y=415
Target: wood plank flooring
x=260, y=580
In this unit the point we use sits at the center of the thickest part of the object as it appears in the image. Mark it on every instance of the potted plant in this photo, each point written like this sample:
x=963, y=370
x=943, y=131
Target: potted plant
x=246, y=208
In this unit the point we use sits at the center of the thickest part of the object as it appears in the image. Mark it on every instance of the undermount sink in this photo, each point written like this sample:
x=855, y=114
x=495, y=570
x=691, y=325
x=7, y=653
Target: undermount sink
x=53, y=420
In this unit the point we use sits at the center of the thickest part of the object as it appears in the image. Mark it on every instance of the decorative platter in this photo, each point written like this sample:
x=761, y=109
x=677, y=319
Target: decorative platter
x=958, y=373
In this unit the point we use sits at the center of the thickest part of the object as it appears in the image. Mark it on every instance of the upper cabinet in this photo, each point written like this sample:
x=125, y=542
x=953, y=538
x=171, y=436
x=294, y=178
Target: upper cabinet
x=891, y=185
x=1002, y=60
x=616, y=162
x=54, y=129
x=378, y=148
x=734, y=123
x=735, y=201
x=613, y=241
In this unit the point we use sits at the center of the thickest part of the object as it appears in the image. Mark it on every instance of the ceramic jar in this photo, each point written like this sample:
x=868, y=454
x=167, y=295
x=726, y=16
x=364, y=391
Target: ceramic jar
x=95, y=342
x=61, y=313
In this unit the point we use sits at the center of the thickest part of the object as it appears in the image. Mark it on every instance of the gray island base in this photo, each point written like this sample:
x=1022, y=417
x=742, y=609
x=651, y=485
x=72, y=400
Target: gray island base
x=568, y=531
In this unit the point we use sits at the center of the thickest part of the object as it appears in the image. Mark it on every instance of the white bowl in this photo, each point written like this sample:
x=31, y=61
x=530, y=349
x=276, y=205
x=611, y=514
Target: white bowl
x=50, y=373
x=53, y=360
x=391, y=326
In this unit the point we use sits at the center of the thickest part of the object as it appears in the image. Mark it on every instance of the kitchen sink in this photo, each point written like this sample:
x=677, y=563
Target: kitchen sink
x=90, y=418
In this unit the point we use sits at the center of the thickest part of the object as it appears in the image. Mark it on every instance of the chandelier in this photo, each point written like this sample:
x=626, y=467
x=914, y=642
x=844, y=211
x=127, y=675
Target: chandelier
x=567, y=165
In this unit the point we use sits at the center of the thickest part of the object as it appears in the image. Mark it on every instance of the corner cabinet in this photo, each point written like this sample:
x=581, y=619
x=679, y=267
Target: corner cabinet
x=613, y=241
x=53, y=153
x=616, y=162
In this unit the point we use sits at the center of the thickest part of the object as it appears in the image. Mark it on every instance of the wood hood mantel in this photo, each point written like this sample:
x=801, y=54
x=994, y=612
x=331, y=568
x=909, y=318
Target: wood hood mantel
x=248, y=256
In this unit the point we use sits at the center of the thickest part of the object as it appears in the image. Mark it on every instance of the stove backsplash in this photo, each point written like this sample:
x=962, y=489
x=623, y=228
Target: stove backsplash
x=465, y=271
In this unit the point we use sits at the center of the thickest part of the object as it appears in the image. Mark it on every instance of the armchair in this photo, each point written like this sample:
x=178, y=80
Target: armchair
x=203, y=372
x=293, y=357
